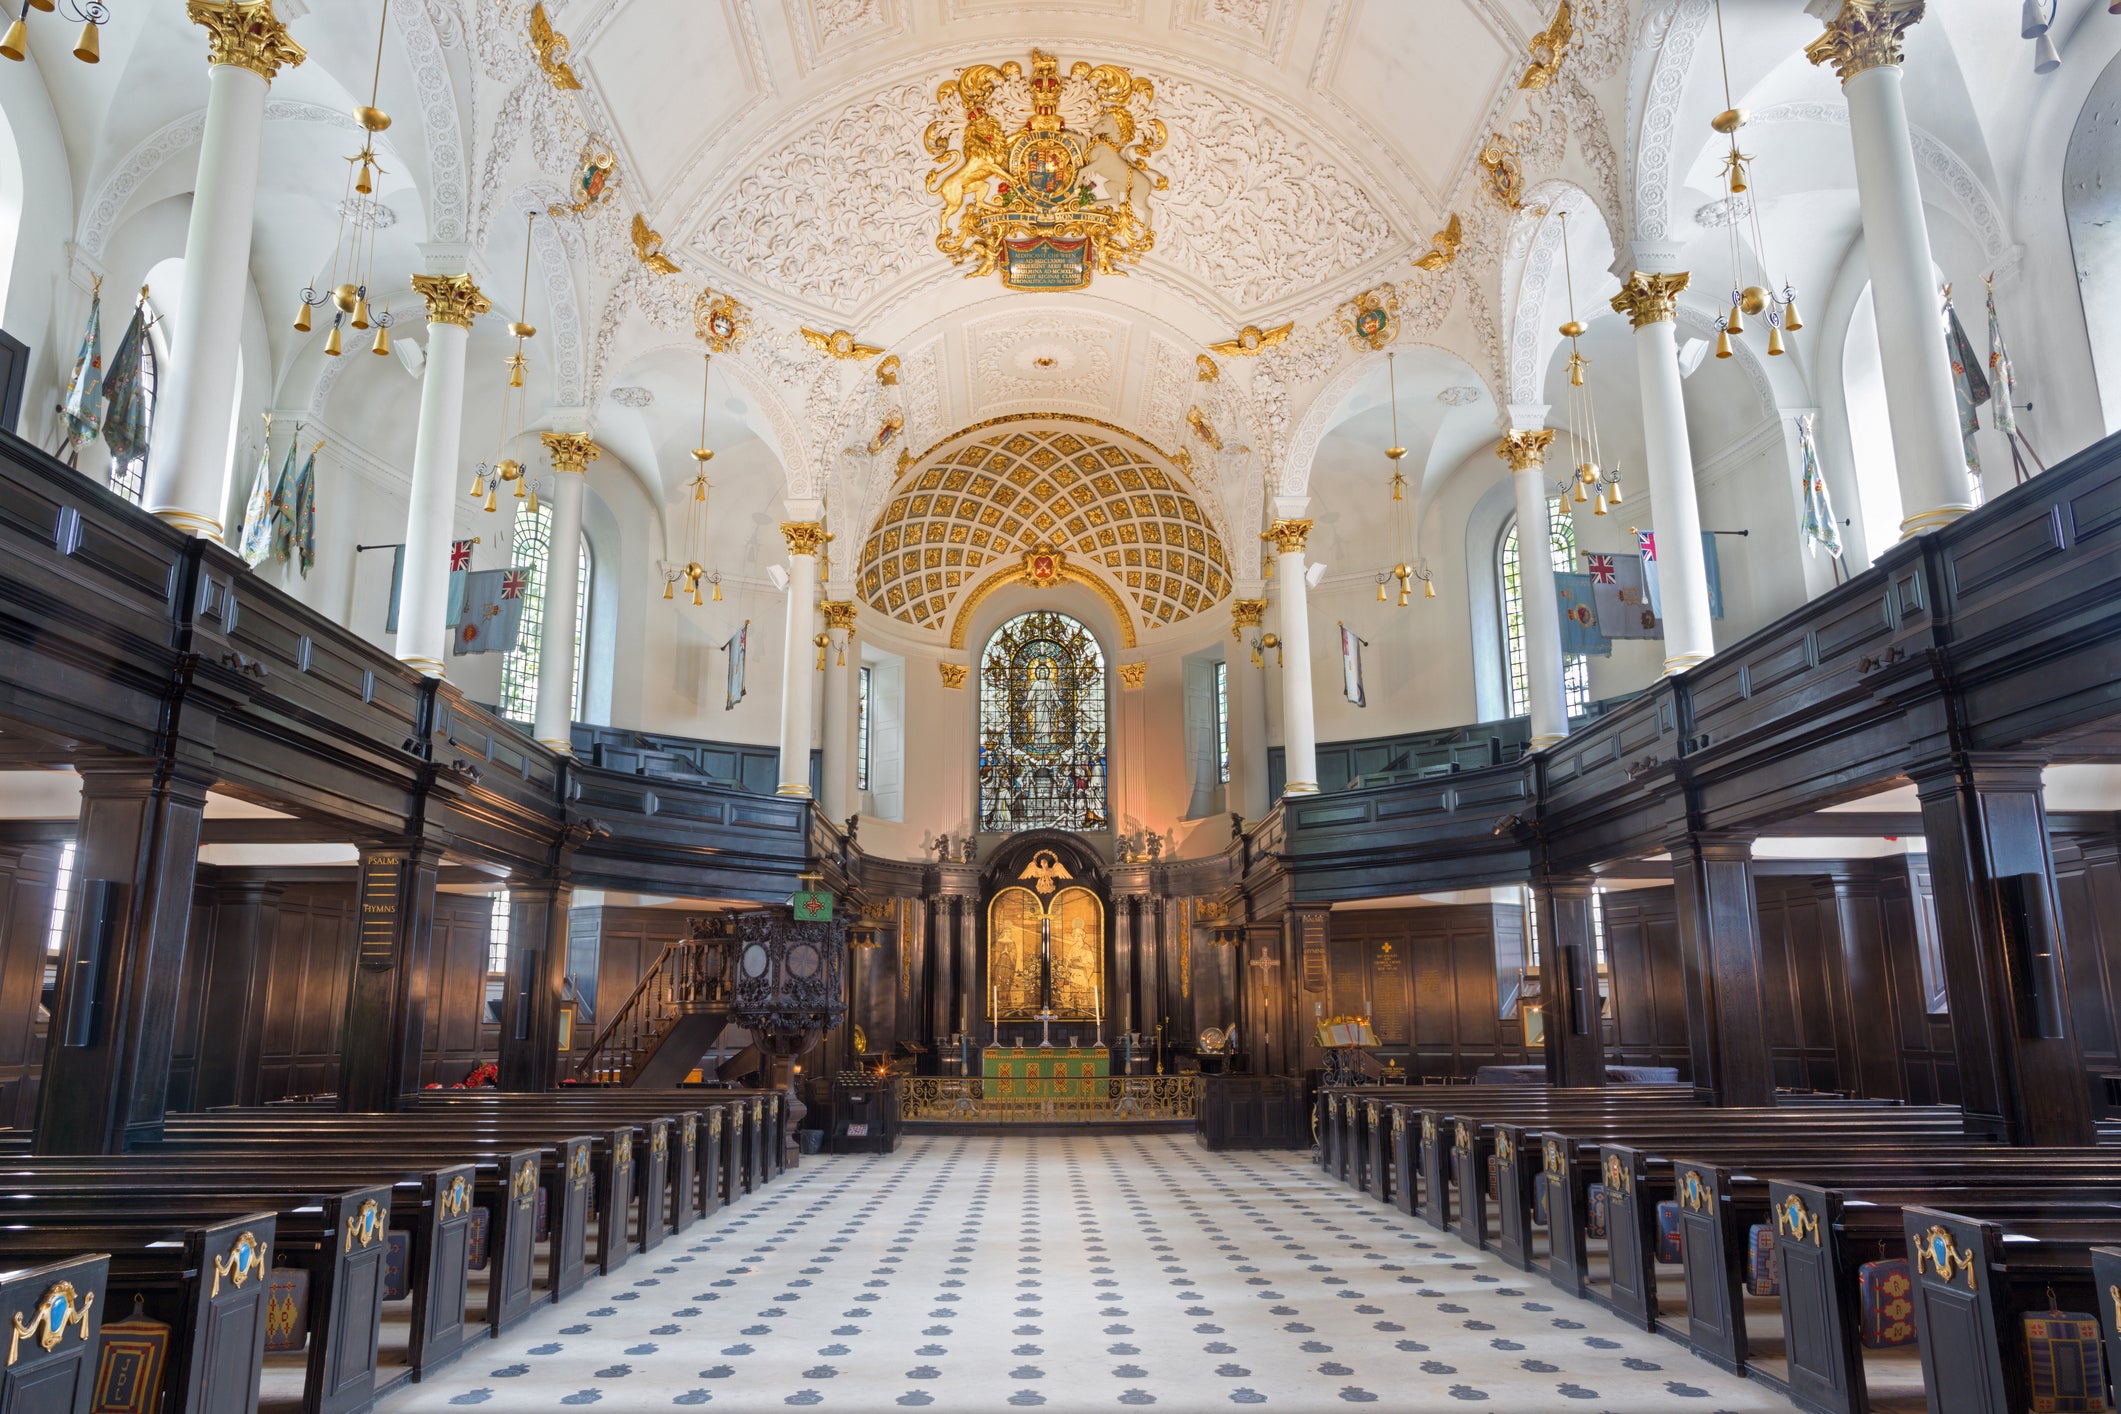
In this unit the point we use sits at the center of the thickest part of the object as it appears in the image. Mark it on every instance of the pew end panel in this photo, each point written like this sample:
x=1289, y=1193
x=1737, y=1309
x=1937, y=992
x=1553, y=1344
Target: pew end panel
x=220, y=1367
x=1710, y=1253
x=1469, y=1151
x=1568, y=1259
x=1513, y=1196
x=1630, y=1236
x=1820, y=1324
x=57, y=1311
x=442, y=1246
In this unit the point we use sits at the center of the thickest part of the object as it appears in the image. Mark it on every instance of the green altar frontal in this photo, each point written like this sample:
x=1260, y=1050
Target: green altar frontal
x=1047, y=1073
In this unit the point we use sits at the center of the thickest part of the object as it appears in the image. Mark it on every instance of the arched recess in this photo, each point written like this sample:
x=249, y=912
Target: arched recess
x=2091, y=203
x=1358, y=385
x=1537, y=276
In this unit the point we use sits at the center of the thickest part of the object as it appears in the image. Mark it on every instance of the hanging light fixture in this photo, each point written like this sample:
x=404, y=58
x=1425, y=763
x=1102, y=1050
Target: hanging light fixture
x=88, y=46
x=1779, y=310
x=353, y=253
x=1591, y=481
x=2036, y=22
x=487, y=481
x=693, y=573
x=1406, y=569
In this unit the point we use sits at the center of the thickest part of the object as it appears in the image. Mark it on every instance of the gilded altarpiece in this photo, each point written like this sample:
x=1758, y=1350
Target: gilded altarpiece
x=1023, y=930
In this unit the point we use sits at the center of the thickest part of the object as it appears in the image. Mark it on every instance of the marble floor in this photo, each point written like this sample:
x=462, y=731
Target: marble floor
x=1073, y=1273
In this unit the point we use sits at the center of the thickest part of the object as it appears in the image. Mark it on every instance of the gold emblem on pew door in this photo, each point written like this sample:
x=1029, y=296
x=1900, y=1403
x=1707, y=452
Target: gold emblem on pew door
x=1465, y=1138
x=2113, y=1294
x=692, y=1130
x=456, y=1198
x=625, y=1151
x=1556, y=1165
x=1399, y=1121
x=659, y=1142
x=578, y=1167
x=525, y=1187
x=1696, y=1194
x=1617, y=1177
x=1937, y=1249
x=368, y=1224
x=1505, y=1151
x=242, y=1261
x=62, y=1306
x=1793, y=1219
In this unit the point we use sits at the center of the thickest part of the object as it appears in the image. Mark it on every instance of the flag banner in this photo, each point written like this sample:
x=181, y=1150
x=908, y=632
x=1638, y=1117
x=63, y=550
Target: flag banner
x=1351, y=666
x=305, y=527
x=811, y=906
x=1969, y=382
x=125, y=393
x=1617, y=594
x=283, y=506
x=397, y=586
x=1646, y=547
x=1712, y=564
x=1821, y=531
x=735, y=649
x=1580, y=637
x=459, y=567
x=2002, y=378
x=81, y=413
x=493, y=611
x=256, y=544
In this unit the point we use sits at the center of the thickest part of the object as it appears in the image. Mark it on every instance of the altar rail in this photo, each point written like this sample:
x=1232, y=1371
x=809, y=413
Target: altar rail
x=1126, y=1097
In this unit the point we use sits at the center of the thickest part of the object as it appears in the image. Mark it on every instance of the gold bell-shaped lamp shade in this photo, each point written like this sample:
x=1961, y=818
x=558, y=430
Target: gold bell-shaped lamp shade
x=1790, y=321
x=360, y=312
x=492, y=501
x=331, y=340
x=1723, y=343
x=1380, y=589
x=15, y=45
x=533, y=506
x=1428, y=589
x=89, y=47
x=302, y=319
x=1774, y=342
x=382, y=343
x=1598, y=509
x=478, y=483
x=1614, y=497
x=670, y=587
x=717, y=589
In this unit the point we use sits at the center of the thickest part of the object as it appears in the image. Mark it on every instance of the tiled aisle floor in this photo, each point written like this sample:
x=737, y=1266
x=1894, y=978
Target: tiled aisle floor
x=1076, y=1273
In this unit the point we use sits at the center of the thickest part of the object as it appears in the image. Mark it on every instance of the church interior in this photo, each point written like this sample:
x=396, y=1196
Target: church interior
x=748, y=702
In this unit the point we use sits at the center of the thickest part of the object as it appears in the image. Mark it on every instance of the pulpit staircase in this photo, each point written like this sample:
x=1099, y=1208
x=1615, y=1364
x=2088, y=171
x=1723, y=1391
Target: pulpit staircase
x=659, y=1034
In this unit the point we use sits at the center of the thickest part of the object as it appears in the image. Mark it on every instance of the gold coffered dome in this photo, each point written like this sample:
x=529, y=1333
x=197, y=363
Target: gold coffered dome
x=974, y=508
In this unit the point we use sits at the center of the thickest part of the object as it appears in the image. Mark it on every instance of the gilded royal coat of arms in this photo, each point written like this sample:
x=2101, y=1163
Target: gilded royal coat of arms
x=1045, y=177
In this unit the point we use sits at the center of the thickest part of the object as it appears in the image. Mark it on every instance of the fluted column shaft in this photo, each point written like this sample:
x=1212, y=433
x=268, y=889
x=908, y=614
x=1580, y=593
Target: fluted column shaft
x=1299, y=722
x=843, y=665
x=1651, y=302
x=1526, y=453
x=799, y=664
x=1863, y=45
x=571, y=454
x=1247, y=704
x=453, y=301
x=247, y=46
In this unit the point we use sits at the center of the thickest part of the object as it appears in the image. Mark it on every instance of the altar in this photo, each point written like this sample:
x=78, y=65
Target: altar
x=1047, y=1072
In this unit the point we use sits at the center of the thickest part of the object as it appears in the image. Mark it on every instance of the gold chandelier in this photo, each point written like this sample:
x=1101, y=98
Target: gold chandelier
x=1408, y=568
x=353, y=253
x=487, y=481
x=693, y=572
x=1780, y=310
x=1591, y=481
x=88, y=48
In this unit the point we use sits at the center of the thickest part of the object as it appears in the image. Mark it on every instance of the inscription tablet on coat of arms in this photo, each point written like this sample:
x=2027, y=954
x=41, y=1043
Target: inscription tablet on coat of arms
x=1045, y=176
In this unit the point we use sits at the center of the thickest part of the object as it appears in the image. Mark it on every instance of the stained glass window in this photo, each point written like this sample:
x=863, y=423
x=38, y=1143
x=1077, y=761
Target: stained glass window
x=1042, y=726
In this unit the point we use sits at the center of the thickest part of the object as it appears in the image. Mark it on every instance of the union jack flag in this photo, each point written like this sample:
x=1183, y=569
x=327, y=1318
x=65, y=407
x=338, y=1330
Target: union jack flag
x=459, y=555
x=1602, y=571
x=513, y=584
x=1646, y=541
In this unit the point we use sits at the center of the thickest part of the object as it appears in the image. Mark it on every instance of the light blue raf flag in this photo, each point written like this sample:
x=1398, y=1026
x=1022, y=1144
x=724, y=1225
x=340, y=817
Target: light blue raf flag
x=1580, y=634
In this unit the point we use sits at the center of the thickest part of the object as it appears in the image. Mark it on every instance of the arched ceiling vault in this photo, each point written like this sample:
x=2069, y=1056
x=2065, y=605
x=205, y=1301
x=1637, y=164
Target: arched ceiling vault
x=966, y=517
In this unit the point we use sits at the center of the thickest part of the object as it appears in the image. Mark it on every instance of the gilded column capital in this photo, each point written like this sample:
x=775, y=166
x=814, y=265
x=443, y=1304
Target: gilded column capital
x=1133, y=676
x=1864, y=36
x=954, y=674
x=1246, y=613
x=1650, y=299
x=246, y=34
x=1524, y=450
x=839, y=614
x=1288, y=536
x=805, y=537
x=571, y=451
x=451, y=299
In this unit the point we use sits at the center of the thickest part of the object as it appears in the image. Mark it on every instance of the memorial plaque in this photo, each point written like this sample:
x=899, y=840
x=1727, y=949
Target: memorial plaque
x=1388, y=993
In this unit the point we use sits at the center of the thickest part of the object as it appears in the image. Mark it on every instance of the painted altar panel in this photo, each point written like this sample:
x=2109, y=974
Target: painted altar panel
x=1072, y=923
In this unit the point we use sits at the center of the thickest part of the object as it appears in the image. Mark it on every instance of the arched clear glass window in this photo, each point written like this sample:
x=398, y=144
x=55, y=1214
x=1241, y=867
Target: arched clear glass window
x=519, y=667
x=1575, y=671
x=1042, y=741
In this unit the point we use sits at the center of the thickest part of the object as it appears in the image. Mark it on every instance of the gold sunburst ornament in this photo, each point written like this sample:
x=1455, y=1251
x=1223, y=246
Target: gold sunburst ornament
x=1044, y=176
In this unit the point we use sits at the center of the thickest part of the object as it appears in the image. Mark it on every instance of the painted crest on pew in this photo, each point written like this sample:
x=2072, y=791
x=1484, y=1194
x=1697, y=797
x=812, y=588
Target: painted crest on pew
x=239, y=1264
x=457, y=1197
x=367, y=1224
x=62, y=1306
